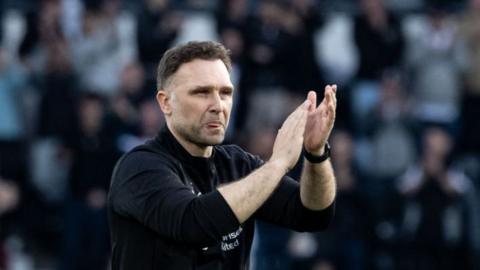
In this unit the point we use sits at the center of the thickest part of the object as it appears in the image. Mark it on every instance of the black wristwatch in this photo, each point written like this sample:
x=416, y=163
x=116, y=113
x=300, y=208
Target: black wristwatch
x=317, y=159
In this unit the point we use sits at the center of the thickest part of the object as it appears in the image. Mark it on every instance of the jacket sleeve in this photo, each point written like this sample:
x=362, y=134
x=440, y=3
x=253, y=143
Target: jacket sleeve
x=157, y=199
x=285, y=208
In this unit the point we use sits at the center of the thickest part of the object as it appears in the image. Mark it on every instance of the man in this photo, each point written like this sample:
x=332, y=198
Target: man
x=182, y=201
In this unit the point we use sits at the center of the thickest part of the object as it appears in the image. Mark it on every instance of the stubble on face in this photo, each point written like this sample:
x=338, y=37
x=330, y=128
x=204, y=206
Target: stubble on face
x=191, y=119
x=198, y=133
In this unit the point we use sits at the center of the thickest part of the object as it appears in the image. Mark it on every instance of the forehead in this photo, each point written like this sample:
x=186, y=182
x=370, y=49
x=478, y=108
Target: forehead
x=202, y=73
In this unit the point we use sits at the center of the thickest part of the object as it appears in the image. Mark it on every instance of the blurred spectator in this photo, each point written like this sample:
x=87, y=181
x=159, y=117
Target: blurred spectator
x=123, y=117
x=44, y=38
x=437, y=60
x=382, y=158
x=380, y=44
x=266, y=42
x=12, y=81
x=74, y=45
x=198, y=21
x=301, y=19
x=13, y=150
x=268, y=45
x=232, y=18
x=9, y=196
x=86, y=237
x=379, y=40
x=232, y=14
x=46, y=55
x=132, y=84
x=437, y=226
x=233, y=40
x=151, y=120
x=392, y=144
x=344, y=246
x=58, y=93
x=158, y=26
x=104, y=45
x=9, y=201
x=470, y=31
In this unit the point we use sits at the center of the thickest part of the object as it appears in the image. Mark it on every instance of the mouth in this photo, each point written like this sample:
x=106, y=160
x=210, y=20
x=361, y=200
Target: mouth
x=215, y=124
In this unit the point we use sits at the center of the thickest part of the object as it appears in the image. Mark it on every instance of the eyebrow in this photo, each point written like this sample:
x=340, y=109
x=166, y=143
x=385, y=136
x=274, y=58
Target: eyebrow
x=200, y=88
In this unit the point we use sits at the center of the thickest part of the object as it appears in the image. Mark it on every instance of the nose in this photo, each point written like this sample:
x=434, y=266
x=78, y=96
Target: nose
x=217, y=103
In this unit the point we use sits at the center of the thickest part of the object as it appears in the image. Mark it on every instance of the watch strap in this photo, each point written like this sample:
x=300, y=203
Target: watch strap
x=317, y=159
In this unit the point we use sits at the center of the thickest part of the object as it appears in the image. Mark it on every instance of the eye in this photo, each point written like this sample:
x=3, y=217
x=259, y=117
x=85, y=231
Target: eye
x=200, y=92
x=226, y=92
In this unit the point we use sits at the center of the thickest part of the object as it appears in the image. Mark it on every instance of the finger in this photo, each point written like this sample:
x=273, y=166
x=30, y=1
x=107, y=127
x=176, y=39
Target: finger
x=299, y=132
x=327, y=96
x=302, y=124
x=302, y=120
x=308, y=103
x=312, y=96
x=333, y=89
x=302, y=115
x=328, y=100
x=304, y=106
x=331, y=109
x=297, y=110
x=331, y=116
x=333, y=98
x=293, y=117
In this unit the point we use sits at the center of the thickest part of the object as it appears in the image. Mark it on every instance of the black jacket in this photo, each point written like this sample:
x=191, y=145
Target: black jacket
x=166, y=213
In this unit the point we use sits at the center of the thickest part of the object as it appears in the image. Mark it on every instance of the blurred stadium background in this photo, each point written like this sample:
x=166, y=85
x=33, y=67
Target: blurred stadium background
x=77, y=86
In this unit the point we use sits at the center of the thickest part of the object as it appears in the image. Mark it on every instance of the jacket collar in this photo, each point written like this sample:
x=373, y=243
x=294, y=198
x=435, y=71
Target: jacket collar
x=166, y=139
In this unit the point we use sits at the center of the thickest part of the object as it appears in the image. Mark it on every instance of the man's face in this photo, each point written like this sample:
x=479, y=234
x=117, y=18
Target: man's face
x=200, y=101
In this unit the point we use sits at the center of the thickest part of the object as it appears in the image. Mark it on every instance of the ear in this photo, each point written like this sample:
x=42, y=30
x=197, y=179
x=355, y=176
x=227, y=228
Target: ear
x=163, y=100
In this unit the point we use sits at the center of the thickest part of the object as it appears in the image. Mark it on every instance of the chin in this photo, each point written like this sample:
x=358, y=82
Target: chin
x=216, y=141
x=213, y=140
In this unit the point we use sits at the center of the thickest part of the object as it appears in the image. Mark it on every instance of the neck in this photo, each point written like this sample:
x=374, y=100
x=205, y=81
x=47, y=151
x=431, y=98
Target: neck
x=192, y=148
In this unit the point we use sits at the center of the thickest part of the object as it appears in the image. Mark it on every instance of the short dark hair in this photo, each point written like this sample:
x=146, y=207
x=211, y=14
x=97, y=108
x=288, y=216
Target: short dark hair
x=173, y=58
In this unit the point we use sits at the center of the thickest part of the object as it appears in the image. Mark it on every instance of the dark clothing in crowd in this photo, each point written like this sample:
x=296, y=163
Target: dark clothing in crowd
x=302, y=71
x=57, y=114
x=378, y=49
x=94, y=159
x=153, y=36
x=166, y=213
x=86, y=237
x=440, y=239
x=266, y=46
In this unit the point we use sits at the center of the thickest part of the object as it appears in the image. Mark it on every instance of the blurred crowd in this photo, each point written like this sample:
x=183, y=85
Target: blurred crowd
x=77, y=87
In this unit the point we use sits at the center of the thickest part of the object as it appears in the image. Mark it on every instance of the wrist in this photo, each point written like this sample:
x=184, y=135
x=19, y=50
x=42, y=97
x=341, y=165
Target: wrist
x=277, y=165
x=318, y=156
x=318, y=152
